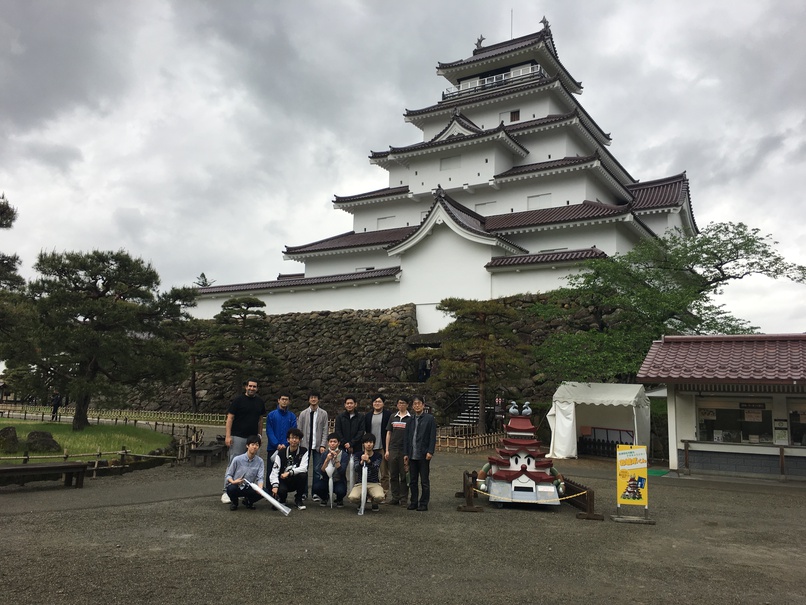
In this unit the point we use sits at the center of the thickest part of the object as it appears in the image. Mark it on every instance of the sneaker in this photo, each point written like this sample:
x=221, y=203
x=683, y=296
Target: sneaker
x=339, y=504
x=300, y=505
x=248, y=504
x=225, y=498
x=422, y=508
x=315, y=498
x=322, y=502
x=375, y=507
x=233, y=506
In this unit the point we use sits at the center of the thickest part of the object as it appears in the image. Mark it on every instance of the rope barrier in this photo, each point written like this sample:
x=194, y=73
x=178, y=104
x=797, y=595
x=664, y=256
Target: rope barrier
x=478, y=491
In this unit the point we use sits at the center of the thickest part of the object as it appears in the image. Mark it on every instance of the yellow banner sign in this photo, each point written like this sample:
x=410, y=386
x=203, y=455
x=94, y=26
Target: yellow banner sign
x=632, y=483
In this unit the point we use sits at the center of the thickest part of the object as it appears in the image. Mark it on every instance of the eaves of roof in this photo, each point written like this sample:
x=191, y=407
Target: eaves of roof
x=351, y=239
x=660, y=193
x=499, y=133
x=586, y=211
x=481, y=97
x=542, y=258
x=375, y=274
x=377, y=194
x=732, y=359
x=564, y=165
x=467, y=220
x=517, y=46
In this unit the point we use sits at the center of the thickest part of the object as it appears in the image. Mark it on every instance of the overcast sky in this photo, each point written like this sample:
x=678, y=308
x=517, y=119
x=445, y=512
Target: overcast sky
x=207, y=136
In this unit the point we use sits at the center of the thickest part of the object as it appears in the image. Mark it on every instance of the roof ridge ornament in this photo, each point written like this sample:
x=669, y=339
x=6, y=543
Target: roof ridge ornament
x=439, y=193
x=480, y=39
x=545, y=23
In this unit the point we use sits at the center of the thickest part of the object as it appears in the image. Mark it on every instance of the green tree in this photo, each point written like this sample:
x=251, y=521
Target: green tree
x=99, y=322
x=478, y=347
x=663, y=286
x=189, y=332
x=9, y=278
x=238, y=343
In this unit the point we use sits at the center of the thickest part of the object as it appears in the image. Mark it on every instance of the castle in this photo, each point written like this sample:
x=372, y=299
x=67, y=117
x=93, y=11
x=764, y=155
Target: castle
x=511, y=187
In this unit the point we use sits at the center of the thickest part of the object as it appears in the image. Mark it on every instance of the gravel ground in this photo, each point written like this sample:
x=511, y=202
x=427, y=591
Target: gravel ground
x=163, y=536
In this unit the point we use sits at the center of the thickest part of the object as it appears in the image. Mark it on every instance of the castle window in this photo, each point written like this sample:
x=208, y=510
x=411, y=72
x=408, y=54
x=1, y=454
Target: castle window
x=514, y=116
x=536, y=202
x=385, y=222
x=451, y=163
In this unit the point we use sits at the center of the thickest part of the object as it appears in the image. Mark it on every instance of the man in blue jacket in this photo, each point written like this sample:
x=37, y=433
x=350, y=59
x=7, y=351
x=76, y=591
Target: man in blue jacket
x=277, y=424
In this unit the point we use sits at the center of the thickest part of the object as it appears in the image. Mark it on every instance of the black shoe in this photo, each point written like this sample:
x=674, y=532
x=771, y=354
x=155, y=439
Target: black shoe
x=339, y=504
x=411, y=506
x=248, y=504
x=375, y=507
x=233, y=505
x=299, y=505
x=422, y=508
x=394, y=502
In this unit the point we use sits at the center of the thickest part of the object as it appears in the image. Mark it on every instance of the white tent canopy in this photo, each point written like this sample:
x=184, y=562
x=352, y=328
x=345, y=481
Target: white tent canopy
x=627, y=408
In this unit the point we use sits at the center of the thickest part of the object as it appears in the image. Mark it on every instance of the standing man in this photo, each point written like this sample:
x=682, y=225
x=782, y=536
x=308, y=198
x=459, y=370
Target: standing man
x=244, y=418
x=350, y=426
x=55, y=403
x=395, y=446
x=278, y=422
x=312, y=422
x=376, y=423
x=421, y=441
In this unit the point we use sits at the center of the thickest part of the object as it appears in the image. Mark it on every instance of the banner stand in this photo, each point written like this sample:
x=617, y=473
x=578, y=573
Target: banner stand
x=632, y=483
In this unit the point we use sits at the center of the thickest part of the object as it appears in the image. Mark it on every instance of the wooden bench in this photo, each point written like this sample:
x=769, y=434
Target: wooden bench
x=68, y=470
x=207, y=454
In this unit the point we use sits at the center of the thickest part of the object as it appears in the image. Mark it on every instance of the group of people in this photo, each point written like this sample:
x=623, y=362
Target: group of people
x=388, y=445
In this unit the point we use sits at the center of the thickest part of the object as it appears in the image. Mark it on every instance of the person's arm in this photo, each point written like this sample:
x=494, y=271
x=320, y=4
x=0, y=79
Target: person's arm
x=388, y=439
x=274, y=477
x=261, y=472
x=302, y=467
x=228, y=430
x=322, y=441
x=432, y=439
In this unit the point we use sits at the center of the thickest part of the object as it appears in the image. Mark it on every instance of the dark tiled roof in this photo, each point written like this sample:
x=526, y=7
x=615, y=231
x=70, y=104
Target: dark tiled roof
x=587, y=210
x=748, y=359
x=433, y=143
x=386, y=192
x=304, y=281
x=501, y=48
x=470, y=99
x=661, y=193
x=549, y=165
x=351, y=239
x=545, y=257
x=463, y=216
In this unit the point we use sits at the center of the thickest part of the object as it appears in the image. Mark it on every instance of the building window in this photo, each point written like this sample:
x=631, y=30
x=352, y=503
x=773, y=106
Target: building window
x=385, y=222
x=451, y=163
x=514, y=116
x=539, y=201
x=485, y=208
x=734, y=422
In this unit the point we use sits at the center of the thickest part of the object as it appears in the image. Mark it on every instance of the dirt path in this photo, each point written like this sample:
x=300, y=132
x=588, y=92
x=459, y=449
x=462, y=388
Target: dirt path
x=162, y=536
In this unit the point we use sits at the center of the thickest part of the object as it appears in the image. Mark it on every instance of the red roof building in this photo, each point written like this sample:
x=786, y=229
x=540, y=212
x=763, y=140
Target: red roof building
x=736, y=404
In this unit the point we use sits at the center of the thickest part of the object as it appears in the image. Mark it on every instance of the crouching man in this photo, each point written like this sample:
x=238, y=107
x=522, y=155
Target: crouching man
x=243, y=469
x=371, y=459
x=290, y=470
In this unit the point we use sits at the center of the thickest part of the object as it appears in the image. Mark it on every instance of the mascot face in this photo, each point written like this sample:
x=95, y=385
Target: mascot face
x=522, y=462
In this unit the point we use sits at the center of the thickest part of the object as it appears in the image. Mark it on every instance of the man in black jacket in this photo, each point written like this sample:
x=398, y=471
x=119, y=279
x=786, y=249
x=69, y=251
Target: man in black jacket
x=421, y=441
x=350, y=426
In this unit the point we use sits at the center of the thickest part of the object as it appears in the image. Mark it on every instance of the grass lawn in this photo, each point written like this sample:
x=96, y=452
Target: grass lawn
x=106, y=437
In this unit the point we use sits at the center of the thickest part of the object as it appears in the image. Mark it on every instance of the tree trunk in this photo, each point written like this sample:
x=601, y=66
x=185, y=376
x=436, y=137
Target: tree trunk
x=80, y=420
x=194, y=401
